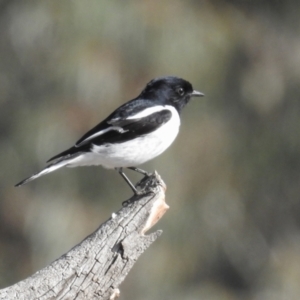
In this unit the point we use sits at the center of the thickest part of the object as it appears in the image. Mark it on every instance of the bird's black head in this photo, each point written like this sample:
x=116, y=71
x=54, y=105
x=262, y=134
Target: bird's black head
x=170, y=90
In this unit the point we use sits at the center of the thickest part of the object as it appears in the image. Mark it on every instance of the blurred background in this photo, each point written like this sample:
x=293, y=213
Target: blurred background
x=233, y=174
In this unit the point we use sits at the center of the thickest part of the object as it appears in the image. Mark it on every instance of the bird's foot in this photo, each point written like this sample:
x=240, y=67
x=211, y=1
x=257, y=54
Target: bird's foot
x=142, y=188
x=145, y=173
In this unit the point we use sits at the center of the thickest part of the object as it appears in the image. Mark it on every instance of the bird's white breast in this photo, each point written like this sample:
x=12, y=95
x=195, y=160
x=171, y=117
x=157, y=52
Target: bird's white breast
x=136, y=151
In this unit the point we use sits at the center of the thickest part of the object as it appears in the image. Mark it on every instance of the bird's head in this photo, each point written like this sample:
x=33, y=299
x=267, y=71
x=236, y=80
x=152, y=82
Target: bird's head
x=170, y=90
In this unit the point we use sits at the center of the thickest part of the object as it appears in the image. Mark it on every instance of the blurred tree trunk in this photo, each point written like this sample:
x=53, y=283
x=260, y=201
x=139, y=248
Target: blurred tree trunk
x=95, y=268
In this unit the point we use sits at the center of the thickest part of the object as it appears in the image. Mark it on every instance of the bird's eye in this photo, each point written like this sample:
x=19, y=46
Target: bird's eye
x=180, y=91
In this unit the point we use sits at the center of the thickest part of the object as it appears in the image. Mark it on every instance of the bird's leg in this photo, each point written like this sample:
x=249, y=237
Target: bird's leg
x=120, y=170
x=145, y=173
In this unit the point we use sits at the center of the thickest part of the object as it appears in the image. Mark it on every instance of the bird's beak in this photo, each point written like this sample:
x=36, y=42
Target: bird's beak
x=197, y=94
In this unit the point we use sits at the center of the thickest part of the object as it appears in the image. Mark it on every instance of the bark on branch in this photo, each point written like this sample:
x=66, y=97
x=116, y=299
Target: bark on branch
x=95, y=268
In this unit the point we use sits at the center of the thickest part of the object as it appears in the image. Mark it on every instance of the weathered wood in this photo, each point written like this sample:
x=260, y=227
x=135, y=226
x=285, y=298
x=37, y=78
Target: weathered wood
x=95, y=268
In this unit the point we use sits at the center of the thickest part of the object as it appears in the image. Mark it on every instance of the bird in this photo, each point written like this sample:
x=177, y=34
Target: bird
x=136, y=132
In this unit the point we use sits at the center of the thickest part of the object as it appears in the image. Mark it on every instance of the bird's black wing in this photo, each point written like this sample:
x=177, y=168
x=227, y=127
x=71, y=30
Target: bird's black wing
x=122, y=125
x=128, y=129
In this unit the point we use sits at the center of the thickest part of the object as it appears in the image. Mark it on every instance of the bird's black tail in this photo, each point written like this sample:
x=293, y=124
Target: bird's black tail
x=57, y=165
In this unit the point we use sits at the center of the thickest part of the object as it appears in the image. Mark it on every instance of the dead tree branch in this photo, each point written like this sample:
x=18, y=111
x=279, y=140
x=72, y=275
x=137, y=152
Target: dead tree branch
x=95, y=268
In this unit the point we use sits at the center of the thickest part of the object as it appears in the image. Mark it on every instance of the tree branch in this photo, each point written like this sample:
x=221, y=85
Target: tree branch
x=95, y=268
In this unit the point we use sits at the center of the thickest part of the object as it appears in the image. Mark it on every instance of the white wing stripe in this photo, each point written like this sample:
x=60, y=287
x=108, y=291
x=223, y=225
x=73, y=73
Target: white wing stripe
x=149, y=111
x=116, y=128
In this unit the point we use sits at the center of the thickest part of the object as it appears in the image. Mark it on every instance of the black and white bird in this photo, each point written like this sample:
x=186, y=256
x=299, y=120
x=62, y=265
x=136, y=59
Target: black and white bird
x=133, y=134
